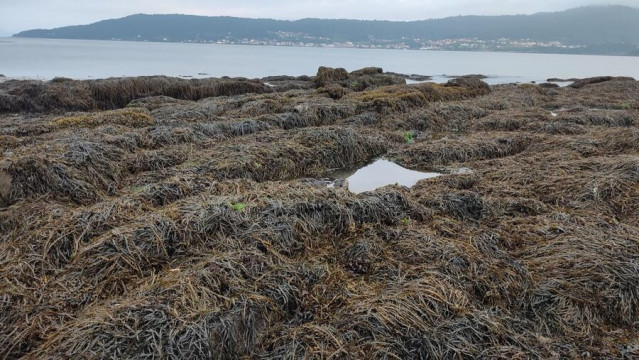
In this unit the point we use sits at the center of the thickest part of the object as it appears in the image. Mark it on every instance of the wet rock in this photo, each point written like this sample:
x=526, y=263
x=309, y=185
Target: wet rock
x=413, y=77
x=468, y=76
x=60, y=80
x=562, y=80
x=596, y=80
x=416, y=77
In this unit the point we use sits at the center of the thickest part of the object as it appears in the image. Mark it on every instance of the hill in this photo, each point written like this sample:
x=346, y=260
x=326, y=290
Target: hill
x=593, y=29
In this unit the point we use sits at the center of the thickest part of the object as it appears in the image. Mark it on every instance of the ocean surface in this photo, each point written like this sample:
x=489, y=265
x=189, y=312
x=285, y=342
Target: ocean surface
x=90, y=59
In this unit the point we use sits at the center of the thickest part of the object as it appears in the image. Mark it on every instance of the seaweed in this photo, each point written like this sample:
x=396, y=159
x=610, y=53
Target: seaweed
x=183, y=227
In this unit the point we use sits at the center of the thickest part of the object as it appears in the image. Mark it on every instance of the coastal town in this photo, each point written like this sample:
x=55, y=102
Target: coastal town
x=470, y=44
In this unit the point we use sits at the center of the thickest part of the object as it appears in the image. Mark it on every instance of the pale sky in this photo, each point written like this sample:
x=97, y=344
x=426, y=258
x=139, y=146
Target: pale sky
x=18, y=15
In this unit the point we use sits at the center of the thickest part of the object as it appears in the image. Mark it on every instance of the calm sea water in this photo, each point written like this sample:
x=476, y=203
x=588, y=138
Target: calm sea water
x=85, y=59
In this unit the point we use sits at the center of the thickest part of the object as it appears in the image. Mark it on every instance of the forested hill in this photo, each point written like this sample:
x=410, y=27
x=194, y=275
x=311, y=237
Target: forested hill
x=593, y=29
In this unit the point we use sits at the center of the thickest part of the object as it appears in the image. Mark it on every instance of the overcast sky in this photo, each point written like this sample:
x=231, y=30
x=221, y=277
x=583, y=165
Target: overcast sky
x=18, y=15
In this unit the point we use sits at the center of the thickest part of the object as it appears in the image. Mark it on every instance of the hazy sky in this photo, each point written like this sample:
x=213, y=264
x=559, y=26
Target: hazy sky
x=18, y=15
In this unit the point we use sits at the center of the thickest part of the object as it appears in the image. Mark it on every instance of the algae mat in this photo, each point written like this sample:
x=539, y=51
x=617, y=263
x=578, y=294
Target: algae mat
x=185, y=226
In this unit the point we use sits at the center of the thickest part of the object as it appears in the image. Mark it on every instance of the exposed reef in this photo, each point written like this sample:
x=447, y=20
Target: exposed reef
x=166, y=218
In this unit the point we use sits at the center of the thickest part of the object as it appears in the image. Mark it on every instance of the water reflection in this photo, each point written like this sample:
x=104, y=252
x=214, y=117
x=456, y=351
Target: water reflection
x=378, y=174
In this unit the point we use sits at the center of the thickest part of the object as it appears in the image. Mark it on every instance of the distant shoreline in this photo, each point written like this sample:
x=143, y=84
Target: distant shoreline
x=321, y=46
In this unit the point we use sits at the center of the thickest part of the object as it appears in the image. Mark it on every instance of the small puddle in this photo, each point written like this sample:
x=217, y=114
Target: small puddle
x=378, y=174
x=561, y=83
x=411, y=81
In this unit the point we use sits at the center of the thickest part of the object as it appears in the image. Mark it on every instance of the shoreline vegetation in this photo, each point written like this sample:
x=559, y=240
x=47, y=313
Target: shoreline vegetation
x=157, y=217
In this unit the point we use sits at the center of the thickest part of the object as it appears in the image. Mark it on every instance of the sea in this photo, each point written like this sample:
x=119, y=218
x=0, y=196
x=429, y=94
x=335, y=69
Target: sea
x=45, y=59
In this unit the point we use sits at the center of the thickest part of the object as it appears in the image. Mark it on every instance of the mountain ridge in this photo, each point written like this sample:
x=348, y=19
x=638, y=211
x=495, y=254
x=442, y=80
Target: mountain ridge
x=611, y=29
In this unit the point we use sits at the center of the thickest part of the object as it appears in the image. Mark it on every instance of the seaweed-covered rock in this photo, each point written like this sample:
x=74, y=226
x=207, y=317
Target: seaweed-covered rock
x=578, y=84
x=334, y=91
x=155, y=102
x=327, y=75
x=114, y=93
x=472, y=83
x=549, y=85
x=127, y=117
x=367, y=71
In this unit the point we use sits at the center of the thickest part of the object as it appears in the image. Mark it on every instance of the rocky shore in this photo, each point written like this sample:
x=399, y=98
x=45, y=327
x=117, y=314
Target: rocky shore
x=157, y=217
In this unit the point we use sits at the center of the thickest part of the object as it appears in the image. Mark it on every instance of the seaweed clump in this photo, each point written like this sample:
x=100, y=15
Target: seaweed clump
x=61, y=95
x=126, y=117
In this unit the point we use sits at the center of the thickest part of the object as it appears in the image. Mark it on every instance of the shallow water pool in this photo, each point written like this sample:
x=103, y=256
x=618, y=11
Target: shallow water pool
x=378, y=174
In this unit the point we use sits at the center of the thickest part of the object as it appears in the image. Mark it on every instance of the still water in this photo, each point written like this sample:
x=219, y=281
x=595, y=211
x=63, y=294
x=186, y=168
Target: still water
x=85, y=59
x=378, y=174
